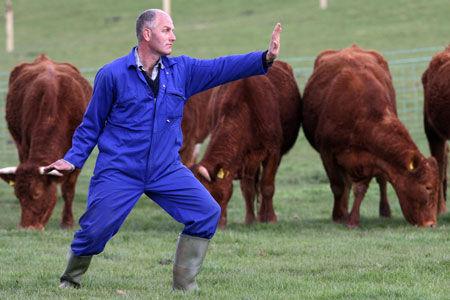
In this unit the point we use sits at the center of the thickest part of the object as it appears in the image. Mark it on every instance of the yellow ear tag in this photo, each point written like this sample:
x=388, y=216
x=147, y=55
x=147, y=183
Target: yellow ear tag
x=411, y=166
x=221, y=174
x=11, y=183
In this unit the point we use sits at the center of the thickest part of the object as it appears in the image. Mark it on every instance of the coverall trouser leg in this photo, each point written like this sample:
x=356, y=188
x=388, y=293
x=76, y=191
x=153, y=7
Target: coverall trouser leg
x=183, y=197
x=178, y=192
x=111, y=198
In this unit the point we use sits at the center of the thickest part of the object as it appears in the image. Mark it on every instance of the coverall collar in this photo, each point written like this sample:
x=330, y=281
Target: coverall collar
x=158, y=66
x=131, y=59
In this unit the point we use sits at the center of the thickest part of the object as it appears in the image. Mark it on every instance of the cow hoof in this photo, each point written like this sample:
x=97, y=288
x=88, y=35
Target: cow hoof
x=340, y=219
x=442, y=208
x=222, y=224
x=273, y=219
x=267, y=218
x=385, y=213
x=32, y=227
x=250, y=220
x=66, y=226
x=352, y=225
x=262, y=219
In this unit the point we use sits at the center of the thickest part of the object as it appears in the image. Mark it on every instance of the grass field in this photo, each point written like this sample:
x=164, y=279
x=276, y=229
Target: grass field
x=304, y=255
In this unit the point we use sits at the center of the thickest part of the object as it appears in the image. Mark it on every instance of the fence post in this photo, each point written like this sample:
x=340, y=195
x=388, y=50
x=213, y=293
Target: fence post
x=166, y=6
x=9, y=18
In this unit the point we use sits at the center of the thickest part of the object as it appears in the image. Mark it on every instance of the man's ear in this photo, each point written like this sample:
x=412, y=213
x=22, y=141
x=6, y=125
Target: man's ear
x=146, y=34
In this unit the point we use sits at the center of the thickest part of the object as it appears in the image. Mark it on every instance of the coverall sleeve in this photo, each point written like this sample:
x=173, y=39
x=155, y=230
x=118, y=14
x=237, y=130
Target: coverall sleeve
x=208, y=73
x=86, y=135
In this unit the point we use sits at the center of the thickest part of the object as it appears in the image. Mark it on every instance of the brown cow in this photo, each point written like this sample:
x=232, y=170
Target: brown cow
x=256, y=121
x=45, y=103
x=436, y=84
x=195, y=126
x=349, y=117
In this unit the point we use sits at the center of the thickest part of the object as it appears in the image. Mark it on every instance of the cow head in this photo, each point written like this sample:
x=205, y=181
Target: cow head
x=36, y=192
x=417, y=188
x=218, y=181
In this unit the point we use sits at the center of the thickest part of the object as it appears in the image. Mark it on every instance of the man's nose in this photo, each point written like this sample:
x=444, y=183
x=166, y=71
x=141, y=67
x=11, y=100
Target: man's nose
x=173, y=37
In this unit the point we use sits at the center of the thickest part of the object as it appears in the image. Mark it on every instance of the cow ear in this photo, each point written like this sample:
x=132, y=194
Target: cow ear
x=9, y=175
x=413, y=163
x=9, y=178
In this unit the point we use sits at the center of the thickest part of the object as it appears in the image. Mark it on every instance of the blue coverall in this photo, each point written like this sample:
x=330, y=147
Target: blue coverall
x=139, y=136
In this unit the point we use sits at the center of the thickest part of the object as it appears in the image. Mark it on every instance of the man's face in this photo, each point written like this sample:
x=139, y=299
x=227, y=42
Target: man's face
x=162, y=36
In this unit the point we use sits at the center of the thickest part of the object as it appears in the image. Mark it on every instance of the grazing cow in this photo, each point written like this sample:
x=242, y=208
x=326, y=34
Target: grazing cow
x=256, y=120
x=350, y=118
x=195, y=126
x=436, y=84
x=45, y=103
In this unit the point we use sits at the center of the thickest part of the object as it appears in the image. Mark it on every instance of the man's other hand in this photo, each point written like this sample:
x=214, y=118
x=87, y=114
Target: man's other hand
x=61, y=166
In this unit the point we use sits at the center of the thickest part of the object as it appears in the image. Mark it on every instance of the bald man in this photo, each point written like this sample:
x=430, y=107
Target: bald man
x=134, y=117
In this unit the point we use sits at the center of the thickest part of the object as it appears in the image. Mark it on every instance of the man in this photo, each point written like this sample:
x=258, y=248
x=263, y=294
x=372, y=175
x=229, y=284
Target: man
x=135, y=118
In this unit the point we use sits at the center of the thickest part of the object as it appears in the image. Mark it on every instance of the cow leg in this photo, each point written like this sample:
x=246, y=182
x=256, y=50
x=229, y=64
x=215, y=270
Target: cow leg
x=385, y=209
x=359, y=191
x=68, y=193
x=249, y=191
x=340, y=188
x=187, y=153
x=444, y=187
x=267, y=186
x=438, y=151
x=226, y=196
x=50, y=205
x=442, y=207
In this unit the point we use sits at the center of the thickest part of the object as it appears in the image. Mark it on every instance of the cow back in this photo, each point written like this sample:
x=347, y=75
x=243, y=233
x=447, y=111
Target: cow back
x=259, y=114
x=348, y=90
x=45, y=103
x=436, y=83
x=289, y=100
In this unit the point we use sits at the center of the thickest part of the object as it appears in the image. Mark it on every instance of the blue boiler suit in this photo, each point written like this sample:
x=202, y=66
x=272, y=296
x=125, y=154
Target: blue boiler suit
x=139, y=136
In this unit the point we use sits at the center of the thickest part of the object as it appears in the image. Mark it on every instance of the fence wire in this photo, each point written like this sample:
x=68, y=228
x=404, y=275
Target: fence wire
x=407, y=67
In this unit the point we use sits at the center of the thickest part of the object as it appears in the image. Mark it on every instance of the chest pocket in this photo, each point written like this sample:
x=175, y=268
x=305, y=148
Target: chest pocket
x=128, y=108
x=126, y=97
x=175, y=101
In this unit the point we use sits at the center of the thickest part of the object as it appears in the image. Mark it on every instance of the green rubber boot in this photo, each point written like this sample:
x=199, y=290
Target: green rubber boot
x=76, y=267
x=189, y=257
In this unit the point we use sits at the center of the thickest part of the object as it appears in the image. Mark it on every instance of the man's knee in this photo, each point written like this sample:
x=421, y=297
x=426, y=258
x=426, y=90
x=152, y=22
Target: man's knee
x=211, y=209
x=204, y=224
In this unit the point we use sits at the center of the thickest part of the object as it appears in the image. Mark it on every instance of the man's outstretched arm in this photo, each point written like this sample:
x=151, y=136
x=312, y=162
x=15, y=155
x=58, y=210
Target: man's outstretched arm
x=208, y=73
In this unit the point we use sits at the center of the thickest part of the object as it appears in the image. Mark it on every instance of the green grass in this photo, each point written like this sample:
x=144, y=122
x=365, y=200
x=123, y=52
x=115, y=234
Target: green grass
x=91, y=33
x=304, y=255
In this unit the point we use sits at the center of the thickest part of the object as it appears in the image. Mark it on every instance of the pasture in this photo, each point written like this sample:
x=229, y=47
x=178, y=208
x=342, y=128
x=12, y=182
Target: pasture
x=305, y=255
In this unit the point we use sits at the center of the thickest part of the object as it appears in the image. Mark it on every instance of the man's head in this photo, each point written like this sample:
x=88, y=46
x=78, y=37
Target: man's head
x=155, y=31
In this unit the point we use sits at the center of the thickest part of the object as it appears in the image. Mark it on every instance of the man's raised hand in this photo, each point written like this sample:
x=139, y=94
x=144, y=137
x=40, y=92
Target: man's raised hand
x=274, y=45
